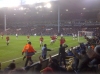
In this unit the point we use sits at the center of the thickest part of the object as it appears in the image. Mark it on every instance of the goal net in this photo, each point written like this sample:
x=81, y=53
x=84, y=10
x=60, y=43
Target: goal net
x=88, y=34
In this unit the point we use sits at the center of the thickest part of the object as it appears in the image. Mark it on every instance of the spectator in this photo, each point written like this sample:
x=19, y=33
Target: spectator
x=39, y=66
x=53, y=67
x=96, y=56
x=69, y=53
x=62, y=54
x=44, y=51
x=48, y=70
x=82, y=46
x=10, y=67
x=83, y=59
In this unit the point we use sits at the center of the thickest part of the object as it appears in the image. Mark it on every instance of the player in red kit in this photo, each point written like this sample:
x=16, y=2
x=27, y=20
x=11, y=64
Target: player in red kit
x=41, y=41
x=7, y=40
x=62, y=41
x=28, y=38
x=55, y=37
x=52, y=39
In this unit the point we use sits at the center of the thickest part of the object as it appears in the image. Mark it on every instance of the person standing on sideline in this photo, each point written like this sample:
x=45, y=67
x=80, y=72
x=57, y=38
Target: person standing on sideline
x=41, y=41
x=44, y=51
x=7, y=40
x=29, y=51
x=62, y=54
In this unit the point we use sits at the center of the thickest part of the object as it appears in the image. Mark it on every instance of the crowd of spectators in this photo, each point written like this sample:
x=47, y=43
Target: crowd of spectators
x=49, y=30
x=48, y=27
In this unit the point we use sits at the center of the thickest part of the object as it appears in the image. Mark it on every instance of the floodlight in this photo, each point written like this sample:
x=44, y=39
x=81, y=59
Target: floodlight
x=21, y=8
x=48, y=5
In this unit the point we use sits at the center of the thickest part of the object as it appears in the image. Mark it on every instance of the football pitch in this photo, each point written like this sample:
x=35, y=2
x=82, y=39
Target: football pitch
x=14, y=50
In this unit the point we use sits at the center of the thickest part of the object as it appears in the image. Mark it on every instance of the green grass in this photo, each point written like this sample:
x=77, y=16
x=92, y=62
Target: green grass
x=14, y=49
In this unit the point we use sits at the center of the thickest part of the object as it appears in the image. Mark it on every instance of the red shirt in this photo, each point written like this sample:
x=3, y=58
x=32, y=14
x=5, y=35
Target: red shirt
x=48, y=70
x=7, y=38
x=55, y=37
x=62, y=41
x=41, y=39
x=52, y=38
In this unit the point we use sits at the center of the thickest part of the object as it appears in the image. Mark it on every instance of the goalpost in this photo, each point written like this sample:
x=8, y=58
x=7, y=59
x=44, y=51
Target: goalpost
x=88, y=34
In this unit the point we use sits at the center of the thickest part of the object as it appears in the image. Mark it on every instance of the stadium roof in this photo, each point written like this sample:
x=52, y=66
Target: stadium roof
x=68, y=8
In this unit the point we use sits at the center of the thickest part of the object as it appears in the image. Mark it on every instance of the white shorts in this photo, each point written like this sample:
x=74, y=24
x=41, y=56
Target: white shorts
x=41, y=42
x=52, y=41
